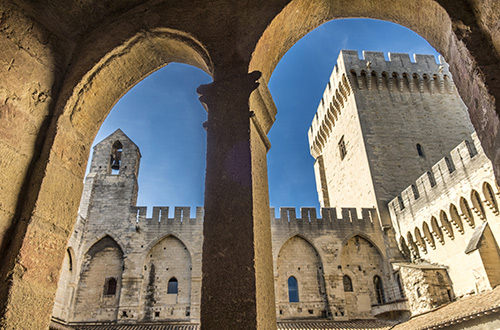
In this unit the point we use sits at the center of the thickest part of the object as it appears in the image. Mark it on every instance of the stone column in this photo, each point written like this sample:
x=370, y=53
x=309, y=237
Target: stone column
x=237, y=284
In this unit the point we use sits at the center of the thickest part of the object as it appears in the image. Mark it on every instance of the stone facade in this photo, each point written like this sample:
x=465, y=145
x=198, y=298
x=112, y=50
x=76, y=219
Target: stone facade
x=355, y=262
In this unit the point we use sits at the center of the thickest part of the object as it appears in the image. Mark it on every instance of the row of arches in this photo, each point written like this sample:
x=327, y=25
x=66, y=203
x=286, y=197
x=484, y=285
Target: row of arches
x=166, y=286
x=303, y=285
x=333, y=112
x=448, y=223
x=427, y=82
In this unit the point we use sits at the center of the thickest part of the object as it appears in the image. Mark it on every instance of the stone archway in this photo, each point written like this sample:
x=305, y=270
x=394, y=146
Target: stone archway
x=48, y=128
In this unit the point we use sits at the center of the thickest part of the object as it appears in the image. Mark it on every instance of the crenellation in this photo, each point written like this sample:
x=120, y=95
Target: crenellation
x=330, y=216
x=458, y=160
x=182, y=214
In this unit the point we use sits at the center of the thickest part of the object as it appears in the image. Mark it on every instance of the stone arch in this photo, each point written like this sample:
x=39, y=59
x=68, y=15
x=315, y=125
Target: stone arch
x=412, y=245
x=405, y=250
x=360, y=259
x=101, y=263
x=169, y=258
x=445, y=224
x=477, y=204
x=456, y=219
x=300, y=259
x=419, y=239
x=466, y=212
x=436, y=230
x=65, y=286
x=428, y=235
x=490, y=198
x=366, y=237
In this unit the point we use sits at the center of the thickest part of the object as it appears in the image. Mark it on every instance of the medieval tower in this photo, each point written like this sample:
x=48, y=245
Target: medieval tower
x=394, y=151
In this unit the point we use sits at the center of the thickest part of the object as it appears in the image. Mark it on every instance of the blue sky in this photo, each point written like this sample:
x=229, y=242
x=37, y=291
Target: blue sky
x=163, y=116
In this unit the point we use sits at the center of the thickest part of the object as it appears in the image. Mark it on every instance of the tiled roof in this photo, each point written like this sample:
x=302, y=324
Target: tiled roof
x=456, y=312
x=138, y=326
x=337, y=325
x=301, y=325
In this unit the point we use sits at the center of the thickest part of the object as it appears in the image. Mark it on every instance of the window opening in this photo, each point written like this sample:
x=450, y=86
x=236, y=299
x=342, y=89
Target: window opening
x=116, y=158
x=110, y=286
x=379, y=289
x=293, y=289
x=342, y=148
x=420, y=150
x=172, y=286
x=347, y=284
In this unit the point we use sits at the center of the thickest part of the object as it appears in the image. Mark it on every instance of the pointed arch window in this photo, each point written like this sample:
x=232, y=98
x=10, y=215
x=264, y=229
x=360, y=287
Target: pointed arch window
x=347, y=284
x=379, y=289
x=116, y=158
x=173, y=286
x=293, y=289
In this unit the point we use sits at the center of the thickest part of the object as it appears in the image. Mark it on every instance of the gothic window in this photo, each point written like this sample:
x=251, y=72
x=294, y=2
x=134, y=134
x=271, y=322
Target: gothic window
x=379, y=289
x=116, y=158
x=347, y=284
x=110, y=286
x=420, y=150
x=437, y=230
x=172, y=286
x=342, y=148
x=293, y=290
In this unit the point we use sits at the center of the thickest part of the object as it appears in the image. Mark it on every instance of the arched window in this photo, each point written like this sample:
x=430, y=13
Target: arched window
x=116, y=158
x=478, y=204
x=293, y=289
x=347, y=284
x=420, y=150
x=466, y=211
x=379, y=289
x=400, y=286
x=110, y=286
x=490, y=197
x=419, y=239
x=172, y=286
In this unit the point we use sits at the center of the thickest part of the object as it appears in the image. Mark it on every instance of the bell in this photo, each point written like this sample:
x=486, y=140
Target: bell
x=115, y=165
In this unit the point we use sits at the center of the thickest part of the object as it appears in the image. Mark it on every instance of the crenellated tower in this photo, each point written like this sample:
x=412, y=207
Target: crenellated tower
x=380, y=124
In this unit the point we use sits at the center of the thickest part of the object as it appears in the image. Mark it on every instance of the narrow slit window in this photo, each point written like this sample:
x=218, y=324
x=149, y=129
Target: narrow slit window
x=293, y=289
x=342, y=148
x=420, y=150
x=110, y=286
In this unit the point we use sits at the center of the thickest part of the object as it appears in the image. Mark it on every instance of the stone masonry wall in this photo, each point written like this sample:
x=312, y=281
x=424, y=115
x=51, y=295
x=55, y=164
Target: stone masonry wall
x=437, y=217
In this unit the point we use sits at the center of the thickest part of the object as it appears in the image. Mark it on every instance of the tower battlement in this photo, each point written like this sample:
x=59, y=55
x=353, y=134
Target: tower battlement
x=435, y=181
x=160, y=214
x=374, y=73
x=330, y=216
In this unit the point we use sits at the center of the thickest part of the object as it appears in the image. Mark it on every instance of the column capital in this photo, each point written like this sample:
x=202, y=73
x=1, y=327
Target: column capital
x=224, y=88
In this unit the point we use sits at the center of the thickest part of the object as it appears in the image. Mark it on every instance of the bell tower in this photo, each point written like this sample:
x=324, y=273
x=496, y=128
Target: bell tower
x=111, y=185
